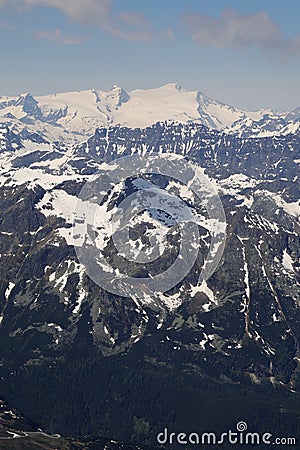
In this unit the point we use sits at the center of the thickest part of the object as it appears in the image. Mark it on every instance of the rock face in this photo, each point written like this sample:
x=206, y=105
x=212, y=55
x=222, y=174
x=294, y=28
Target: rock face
x=237, y=333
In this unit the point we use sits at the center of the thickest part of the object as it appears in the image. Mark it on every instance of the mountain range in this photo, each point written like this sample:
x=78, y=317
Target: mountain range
x=73, y=116
x=78, y=360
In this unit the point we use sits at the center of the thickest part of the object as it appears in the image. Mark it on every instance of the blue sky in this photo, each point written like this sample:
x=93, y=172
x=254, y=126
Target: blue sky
x=245, y=53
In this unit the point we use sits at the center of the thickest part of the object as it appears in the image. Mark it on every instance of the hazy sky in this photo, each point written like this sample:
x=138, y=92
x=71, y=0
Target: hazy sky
x=243, y=52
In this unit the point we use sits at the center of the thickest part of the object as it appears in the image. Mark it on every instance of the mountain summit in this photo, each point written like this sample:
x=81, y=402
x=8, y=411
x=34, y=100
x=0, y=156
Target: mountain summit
x=74, y=116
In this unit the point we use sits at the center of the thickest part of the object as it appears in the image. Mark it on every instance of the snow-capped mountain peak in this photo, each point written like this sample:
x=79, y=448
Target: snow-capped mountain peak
x=73, y=116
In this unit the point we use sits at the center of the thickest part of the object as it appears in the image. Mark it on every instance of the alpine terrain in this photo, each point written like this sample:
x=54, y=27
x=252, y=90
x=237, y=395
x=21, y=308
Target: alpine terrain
x=78, y=360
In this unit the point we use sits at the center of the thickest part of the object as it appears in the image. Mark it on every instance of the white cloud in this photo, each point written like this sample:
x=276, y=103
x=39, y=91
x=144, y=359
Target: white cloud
x=57, y=36
x=85, y=11
x=133, y=19
x=91, y=11
x=239, y=31
x=128, y=25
